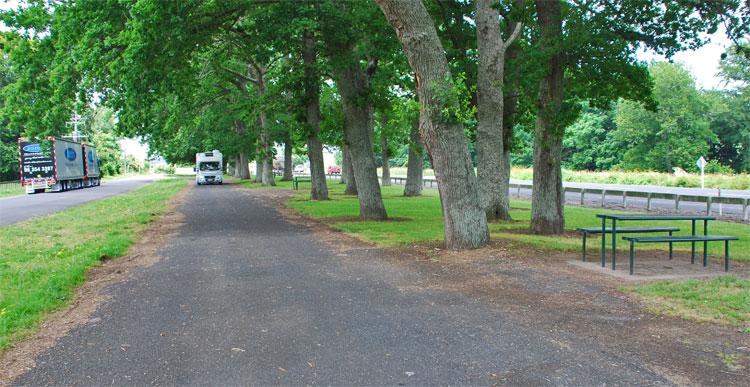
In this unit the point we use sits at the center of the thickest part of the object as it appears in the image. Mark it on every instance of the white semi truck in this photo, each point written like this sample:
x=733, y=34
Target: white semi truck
x=57, y=164
x=208, y=168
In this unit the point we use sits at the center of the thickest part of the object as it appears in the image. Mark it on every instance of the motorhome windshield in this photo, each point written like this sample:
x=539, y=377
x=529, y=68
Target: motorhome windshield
x=209, y=166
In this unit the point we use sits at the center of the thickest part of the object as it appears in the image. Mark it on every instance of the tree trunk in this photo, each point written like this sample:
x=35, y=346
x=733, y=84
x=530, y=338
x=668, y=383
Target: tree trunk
x=414, y=166
x=510, y=106
x=244, y=167
x=258, y=168
x=442, y=133
x=288, y=166
x=386, y=174
x=243, y=170
x=232, y=167
x=348, y=171
x=319, y=188
x=267, y=177
x=353, y=86
x=491, y=48
x=547, y=198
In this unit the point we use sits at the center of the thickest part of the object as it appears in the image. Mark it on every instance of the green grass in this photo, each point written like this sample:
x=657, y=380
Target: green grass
x=43, y=259
x=724, y=300
x=425, y=222
x=12, y=192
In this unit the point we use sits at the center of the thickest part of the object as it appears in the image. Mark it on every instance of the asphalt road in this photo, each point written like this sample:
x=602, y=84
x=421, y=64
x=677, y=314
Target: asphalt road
x=241, y=297
x=19, y=208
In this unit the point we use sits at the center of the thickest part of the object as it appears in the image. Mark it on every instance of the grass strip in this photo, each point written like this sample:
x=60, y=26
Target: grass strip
x=421, y=220
x=724, y=300
x=43, y=259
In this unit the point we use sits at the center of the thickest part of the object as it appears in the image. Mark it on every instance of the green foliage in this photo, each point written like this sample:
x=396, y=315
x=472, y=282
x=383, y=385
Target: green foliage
x=676, y=135
x=38, y=275
x=589, y=145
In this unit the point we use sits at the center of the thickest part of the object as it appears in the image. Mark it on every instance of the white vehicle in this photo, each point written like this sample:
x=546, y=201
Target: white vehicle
x=208, y=168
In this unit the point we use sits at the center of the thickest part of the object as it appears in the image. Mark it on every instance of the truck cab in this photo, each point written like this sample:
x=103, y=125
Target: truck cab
x=208, y=168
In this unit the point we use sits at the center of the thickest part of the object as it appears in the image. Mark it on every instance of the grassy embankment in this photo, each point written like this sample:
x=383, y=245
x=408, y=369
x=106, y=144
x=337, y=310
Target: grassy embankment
x=738, y=181
x=725, y=299
x=43, y=259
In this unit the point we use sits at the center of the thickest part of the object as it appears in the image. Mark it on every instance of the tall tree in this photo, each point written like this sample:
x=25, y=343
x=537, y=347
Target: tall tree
x=491, y=47
x=442, y=132
x=319, y=189
x=353, y=73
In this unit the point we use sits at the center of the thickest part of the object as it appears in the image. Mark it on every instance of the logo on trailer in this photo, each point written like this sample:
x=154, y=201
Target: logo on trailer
x=70, y=154
x=91, y=156
x=32, y=148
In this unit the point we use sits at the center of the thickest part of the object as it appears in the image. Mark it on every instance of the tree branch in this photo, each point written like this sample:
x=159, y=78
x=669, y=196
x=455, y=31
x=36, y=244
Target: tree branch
x=513, y=36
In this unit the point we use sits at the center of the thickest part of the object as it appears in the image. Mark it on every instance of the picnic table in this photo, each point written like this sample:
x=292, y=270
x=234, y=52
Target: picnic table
x=624, y=217
x=301, y=179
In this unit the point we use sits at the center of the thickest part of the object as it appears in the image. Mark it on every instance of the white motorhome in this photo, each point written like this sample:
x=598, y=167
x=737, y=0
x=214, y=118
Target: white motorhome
x=208, y=168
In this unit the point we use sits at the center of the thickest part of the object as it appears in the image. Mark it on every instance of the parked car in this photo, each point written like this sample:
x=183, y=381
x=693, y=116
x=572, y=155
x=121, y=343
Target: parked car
x=334, y=170
x=299, y=168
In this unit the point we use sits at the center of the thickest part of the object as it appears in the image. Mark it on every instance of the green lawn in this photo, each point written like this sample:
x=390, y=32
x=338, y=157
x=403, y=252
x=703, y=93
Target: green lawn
x=43, y=259
x=12, y=192
x=724, y=299
x=425, y=222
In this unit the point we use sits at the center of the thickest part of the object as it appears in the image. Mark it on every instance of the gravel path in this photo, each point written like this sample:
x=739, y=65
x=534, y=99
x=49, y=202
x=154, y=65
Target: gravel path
x=242, y=296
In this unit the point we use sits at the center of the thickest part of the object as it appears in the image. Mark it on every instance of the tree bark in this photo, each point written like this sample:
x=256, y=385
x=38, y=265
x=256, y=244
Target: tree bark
x=267, y=177
x=258, y=167
x=348, y=171
x=547, y=198
x=319, y=188
x=490, y=76
x=386, y=174
x=415, y=164
x=353, y=85
x=442, y=132
x=510, y=106
x=288, y=166
x=243, y=169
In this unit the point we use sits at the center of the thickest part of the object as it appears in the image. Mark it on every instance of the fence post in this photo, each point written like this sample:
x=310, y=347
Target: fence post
x=583, y=191
x=604, y=195
x=648, y=202
x=677, y=202
x=518, y=191
x=624, y=199
x=744, y=209
x=708, y=205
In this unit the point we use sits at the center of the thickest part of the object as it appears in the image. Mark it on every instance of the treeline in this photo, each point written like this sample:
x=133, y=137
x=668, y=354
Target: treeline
x=443, y=76
x=687, y=124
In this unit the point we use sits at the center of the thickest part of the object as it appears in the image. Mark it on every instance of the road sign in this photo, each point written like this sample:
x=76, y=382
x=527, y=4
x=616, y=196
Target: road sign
x=701, y=163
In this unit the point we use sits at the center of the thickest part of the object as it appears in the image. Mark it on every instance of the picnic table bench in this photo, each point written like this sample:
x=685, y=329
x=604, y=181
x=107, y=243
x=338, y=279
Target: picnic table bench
x=673, y=239
x=585, y=231
x=301, y=179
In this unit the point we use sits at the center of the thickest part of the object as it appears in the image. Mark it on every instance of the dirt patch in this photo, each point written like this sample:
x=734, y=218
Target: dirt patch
x=20, y=357
x=540, y=288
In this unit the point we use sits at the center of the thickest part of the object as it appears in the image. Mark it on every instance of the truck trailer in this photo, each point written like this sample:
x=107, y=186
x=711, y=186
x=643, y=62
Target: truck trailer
x=57, y=164
x=208, y=168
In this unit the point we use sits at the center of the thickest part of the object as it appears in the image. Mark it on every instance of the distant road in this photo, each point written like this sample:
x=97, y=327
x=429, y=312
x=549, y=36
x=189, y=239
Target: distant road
x=18, y=208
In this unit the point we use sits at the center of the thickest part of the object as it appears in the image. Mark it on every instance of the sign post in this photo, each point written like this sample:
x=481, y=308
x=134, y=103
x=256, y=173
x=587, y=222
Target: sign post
x=701, y=163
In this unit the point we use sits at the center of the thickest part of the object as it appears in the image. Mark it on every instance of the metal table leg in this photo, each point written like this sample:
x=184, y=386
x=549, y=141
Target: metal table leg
x=614, y=242
x=692, y=253
x=604, y=240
